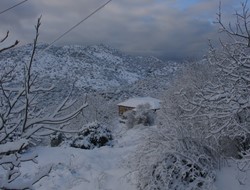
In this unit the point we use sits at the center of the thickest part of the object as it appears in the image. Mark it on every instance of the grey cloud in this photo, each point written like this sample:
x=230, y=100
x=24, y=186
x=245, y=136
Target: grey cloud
x=141, y=27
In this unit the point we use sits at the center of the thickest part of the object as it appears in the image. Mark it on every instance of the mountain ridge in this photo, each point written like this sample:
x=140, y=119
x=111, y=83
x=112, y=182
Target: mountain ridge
x=96, y=67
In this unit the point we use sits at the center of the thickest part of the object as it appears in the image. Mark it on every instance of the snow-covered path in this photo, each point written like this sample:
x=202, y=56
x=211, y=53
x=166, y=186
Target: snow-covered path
x=99, y=169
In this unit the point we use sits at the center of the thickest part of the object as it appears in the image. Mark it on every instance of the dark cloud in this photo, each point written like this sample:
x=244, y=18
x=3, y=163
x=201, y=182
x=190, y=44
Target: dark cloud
x=169, y=29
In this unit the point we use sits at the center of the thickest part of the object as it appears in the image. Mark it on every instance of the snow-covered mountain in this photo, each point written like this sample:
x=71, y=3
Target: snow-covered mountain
x=91, y=68
x=106, y=75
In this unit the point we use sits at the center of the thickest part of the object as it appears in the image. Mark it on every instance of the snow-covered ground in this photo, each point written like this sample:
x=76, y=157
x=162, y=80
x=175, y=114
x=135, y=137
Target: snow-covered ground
x=231, y=178
x=107, y=168
x=102, y=168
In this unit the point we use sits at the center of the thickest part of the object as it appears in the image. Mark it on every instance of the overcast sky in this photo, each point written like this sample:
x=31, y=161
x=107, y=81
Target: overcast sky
x=170, y=29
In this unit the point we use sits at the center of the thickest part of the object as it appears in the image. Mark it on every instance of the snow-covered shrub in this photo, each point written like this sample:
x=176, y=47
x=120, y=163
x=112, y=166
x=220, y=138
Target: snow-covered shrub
x=129, y=117
x=56, y=139
x=144, y=115
x=166, y=162
x=141, y=115
x=179, y=172
x=234, y=147
x=94, y=136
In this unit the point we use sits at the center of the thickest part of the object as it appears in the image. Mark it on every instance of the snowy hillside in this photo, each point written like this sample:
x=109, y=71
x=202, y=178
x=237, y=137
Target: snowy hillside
x=96, y=67
x=107, y=75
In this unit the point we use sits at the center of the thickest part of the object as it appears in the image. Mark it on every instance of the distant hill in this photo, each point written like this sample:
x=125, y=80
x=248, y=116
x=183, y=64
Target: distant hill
x=106, y=75
x=91, y=68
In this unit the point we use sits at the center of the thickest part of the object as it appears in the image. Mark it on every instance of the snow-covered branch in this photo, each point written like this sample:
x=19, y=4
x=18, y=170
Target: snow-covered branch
x=23, y=113
x=20, y=184
x=13, y=146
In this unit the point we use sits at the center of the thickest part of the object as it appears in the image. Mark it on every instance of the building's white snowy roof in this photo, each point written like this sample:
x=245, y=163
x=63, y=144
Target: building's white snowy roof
x=134, y=102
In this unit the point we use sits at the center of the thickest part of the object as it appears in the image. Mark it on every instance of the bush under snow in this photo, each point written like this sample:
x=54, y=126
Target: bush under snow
x=96, y=135
x=141, y=115
x=167, y=162
x=176, y=171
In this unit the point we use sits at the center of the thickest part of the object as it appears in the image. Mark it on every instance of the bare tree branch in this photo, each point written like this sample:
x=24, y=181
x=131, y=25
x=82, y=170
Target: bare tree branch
x=6, y=36
x=22, y=115
x=9, y=47
x=241, y=22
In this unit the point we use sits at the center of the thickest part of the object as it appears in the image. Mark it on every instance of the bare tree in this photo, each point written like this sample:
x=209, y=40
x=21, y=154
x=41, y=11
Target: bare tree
x=208, y=111
x=23, y=119
x=223, y=104
x=9, y=47
x=240, y=29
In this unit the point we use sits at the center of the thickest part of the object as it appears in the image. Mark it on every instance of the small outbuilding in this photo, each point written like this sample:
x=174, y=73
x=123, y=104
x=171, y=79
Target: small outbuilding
x=132, y=103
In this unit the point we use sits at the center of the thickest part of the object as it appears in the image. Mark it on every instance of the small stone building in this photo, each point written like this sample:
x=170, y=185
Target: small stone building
x=132, y=103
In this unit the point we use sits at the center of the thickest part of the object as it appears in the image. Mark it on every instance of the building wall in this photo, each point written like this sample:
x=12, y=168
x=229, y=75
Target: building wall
x=123, y=109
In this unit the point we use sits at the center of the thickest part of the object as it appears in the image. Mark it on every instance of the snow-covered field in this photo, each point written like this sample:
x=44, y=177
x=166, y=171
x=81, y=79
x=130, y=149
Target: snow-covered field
x=107, y=168
x=104, y=168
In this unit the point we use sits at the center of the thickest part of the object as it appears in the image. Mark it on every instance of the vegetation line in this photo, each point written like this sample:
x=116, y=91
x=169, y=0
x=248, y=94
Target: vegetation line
x=13, y=7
